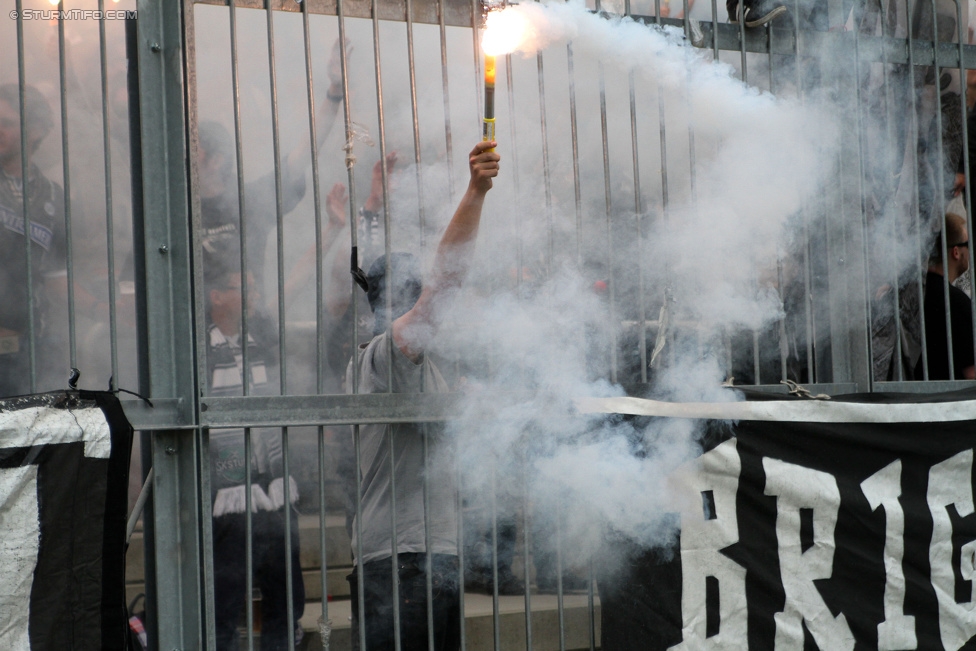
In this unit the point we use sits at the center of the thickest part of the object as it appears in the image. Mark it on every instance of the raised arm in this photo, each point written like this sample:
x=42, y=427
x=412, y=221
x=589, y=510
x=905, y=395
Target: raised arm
x=326, y=109
x=413, y=331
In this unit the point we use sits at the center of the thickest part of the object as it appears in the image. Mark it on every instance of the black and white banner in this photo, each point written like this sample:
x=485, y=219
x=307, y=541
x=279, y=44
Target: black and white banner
x=63, y=479
x=830, y=525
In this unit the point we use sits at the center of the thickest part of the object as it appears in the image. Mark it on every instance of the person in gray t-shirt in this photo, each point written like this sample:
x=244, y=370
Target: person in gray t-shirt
x=407, y=313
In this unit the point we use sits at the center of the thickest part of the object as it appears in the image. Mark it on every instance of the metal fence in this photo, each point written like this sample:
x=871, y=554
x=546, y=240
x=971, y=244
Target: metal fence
x=614, y=184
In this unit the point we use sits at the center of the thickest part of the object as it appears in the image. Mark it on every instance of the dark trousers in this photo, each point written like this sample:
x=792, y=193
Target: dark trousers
x=478, y=548
x=230, y=575
x=378, y=598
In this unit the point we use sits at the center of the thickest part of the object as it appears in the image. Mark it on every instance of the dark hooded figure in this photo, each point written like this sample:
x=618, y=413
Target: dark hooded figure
x=404, y=288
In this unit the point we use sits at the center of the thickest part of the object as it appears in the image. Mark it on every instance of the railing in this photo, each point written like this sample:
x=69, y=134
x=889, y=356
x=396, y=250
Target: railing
x=638, y=191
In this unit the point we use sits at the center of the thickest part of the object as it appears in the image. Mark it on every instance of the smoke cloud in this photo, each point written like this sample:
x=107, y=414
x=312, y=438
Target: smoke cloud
x=700, y=212
x=712, y=255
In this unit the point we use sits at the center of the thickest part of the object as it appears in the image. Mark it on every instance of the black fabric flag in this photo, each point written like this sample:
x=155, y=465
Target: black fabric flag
x=64, y=460
x=814, y=527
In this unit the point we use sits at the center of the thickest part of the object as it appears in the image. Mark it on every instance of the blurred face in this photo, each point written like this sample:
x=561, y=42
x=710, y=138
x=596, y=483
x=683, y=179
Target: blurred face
x=964, y=253
x=209, y=169
x=228, y=299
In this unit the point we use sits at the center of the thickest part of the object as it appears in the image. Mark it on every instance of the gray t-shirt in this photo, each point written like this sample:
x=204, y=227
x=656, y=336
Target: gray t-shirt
x=408, y=454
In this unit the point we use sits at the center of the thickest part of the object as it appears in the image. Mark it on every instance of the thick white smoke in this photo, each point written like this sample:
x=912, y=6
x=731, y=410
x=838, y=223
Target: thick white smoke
x=716, y=249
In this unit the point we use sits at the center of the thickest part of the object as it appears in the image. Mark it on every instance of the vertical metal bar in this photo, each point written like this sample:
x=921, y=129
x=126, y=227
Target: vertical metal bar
x=639, y=213
x=448, y=139
x=425, y=487
x=727, y=349
x=242, y=222
x=25, y=198
x=742, y=42
x=967, y=184
x=323, y=560
x=808, y=300
x=665, y=199
x=350, y=161
x=411, y=64
x=941, y=196
x=317, y=216
x=891, y=138
x=560, y=605
x=591, y=604
x=519, y=244
x=478, y=62
x=360, y=579
x=805, y=217
x=319, y=310
x=866, y=294
x=279, y=211
x=289, y=583
x=206, y=520
x=381, y=119
x=715, y=30
x=527, y=553
x=611, y=306
x=200, y=326
x=394, y=561
x=496, y=627
x=69, y=245
x=916, y=218
x=577, y=199
x=109, y=204
x=459, y=504
x=755, y=357
x=783, y=345
x=665, y=203
x=141, y=305
x=839, y=279
x=741, y=23
x=248, y=533
x=692, y=168
x=169, y=361
x=547, y=182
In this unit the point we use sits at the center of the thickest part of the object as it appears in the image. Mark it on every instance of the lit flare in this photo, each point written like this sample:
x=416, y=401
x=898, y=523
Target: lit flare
x=504, y=31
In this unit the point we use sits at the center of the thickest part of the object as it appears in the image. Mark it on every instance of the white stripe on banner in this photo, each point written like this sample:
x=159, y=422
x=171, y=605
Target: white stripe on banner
x=811, y=411
x=19, y=545
x=47, y=425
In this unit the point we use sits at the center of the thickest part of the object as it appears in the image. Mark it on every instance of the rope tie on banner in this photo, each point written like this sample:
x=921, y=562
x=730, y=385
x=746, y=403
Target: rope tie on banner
x=803, y=392
x=356, y=132
x=663, y=324
x=325, y=632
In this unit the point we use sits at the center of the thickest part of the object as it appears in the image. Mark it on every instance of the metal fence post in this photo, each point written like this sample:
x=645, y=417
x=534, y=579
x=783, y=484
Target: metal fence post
x=168, y=361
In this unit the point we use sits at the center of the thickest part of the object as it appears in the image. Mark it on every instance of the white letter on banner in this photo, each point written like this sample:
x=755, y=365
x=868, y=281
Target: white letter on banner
x=797, y=488
x=19, y=545
x=882, y=489
x=950, y=483
x=702, y=536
